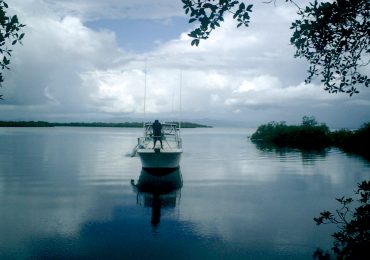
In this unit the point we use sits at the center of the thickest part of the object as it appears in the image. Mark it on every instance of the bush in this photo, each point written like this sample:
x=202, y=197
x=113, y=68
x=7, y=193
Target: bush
x=313, y=136
x=309, y=135
x=353, y=141
x=352, y=241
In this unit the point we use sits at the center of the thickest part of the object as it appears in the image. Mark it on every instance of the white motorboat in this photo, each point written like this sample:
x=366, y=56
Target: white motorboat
x=167, y=156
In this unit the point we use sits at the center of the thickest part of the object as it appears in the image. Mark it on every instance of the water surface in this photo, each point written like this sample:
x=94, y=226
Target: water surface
x=67, y=193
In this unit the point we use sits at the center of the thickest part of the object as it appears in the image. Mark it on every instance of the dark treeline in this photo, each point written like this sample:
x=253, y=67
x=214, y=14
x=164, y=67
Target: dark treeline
x=81, y=124
x=99, y=124
x=313, y=136
x=190, y=125
x=25, y=124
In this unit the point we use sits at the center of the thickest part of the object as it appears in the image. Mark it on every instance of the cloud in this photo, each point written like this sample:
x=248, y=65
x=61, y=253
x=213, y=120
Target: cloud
x=47, y=70
x=116, y=9
x=66, y=68
x=266, y=91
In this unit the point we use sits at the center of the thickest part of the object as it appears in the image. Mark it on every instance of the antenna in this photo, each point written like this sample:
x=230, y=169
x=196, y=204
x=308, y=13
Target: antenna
x=180, y=99
x=172, y=105
x=145, y=69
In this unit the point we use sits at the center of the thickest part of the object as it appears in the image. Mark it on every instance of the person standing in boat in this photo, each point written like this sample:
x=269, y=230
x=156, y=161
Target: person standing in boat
x=157, y=133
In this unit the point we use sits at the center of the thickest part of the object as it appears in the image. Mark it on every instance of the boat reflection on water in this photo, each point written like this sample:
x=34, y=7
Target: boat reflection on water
x=158, y=188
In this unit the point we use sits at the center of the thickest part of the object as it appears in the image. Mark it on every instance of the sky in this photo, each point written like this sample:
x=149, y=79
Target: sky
x=91, y=60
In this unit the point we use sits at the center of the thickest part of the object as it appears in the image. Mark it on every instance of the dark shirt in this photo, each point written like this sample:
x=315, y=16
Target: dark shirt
x=157, y=129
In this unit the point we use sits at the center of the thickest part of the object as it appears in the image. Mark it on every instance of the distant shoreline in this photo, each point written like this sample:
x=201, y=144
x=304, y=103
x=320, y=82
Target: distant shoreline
x=93, y=124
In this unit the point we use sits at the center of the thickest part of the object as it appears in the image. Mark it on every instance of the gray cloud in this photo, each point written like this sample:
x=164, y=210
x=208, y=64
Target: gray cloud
x=68, y=71
x=116, y=9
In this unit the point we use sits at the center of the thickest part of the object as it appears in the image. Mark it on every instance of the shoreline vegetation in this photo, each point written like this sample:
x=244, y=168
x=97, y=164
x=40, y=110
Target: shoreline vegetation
x=93, y=124
x=311, y=135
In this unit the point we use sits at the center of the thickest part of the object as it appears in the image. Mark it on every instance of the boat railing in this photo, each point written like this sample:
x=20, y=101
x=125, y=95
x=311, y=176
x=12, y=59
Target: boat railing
x=170, y=133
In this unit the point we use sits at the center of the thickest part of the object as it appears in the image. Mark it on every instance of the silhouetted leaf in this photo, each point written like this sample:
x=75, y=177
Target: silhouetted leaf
x=195, y=42
x=9, y=28
x=192, y=20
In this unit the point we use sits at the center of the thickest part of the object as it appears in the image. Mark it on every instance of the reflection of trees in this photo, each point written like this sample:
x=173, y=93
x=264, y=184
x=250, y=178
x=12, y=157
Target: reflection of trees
x=311, y=156
x=158, y=188
x=306, y=154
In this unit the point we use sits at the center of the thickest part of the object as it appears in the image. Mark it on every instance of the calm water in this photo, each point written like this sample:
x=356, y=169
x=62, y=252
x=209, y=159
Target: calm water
x=67, y=193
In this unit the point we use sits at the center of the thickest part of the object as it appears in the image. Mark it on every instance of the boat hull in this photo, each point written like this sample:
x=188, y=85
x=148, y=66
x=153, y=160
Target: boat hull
x=156, y=182
x=151, y=158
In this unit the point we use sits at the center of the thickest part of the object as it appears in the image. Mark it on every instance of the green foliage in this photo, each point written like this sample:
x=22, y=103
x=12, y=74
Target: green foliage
x=309, y=135
x=352, y=241
x=210, y=13
x=340, y=137
x=10, y=34
x=309, y=121
x=353, y=141
x=334, y=37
